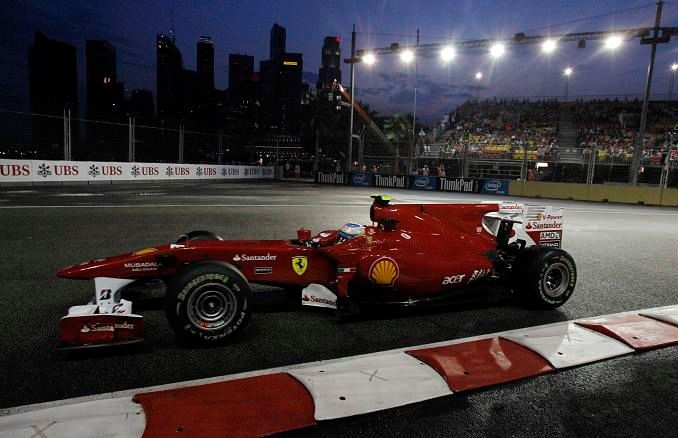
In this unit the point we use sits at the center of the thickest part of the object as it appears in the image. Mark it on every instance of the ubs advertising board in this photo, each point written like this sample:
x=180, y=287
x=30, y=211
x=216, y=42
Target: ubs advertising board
x=62, y=171
x=495, y=187
x=461, y=185
x=423, y=182
x=330, y=177
x=391, y=181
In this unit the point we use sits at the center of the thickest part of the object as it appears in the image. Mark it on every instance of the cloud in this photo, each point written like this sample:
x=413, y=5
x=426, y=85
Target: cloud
x=394, y=92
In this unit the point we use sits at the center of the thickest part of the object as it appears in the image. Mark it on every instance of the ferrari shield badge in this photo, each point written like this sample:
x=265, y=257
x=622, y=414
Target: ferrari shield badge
x=299, y=264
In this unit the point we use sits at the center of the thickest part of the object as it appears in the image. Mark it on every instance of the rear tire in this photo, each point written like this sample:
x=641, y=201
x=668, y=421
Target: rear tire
x=208, y=303
x=546, y=277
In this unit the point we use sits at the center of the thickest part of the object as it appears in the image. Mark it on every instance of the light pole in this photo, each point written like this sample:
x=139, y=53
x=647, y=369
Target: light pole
x=567, y=73
x=414, y=109
x=479, y=76
x=349, y=156
x=640, y=143
x=672, y=79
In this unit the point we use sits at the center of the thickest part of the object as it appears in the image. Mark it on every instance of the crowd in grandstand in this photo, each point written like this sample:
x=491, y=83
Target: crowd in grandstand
x=499, y=128
x=611, y=129
x=502, y=129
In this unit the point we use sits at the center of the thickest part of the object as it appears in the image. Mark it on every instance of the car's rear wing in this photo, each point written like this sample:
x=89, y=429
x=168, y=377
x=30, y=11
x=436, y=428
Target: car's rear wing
x=543, y=224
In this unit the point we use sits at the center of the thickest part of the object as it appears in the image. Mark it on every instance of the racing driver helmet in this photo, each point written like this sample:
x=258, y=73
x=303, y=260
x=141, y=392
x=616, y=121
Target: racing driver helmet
x=349, y=231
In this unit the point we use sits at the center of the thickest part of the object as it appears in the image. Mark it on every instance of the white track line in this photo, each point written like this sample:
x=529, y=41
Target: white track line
x=29, y=207
x=132, y=392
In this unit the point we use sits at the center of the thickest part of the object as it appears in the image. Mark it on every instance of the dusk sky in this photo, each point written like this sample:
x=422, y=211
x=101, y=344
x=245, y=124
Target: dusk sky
x=243, y=27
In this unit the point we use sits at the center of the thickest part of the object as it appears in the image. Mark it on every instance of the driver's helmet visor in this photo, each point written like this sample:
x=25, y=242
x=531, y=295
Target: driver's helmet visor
x=349, y=231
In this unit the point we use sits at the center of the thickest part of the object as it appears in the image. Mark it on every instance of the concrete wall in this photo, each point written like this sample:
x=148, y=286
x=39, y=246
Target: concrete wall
x=596, y=192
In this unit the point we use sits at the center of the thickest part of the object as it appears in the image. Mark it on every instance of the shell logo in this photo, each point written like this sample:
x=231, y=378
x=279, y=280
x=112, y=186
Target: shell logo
x=384, y=272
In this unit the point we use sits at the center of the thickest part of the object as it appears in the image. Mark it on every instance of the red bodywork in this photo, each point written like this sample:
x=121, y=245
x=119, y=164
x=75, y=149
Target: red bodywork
x=414, y=250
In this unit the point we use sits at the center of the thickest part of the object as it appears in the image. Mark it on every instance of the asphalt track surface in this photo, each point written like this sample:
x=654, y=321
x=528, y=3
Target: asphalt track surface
x=627, y=258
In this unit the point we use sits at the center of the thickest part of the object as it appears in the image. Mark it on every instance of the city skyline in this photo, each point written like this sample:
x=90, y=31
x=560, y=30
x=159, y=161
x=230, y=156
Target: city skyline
x=387, y=86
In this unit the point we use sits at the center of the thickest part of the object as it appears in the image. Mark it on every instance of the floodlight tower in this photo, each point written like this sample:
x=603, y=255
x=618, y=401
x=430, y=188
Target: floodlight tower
x=566, y=74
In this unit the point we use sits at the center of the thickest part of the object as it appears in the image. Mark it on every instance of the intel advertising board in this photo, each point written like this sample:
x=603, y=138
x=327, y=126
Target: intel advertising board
x=391, y=181
x=361, y=179
x=422, y=182
x=462, y=185
x=495, y=187
x=330, y=178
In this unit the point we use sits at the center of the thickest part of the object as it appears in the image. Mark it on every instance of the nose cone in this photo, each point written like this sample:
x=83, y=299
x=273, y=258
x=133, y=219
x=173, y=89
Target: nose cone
x=83, y=270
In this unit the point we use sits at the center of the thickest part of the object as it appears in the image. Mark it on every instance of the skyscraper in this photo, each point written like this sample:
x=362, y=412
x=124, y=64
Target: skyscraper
x=240, y=71
x=53, y=84
x=330, y=64
x=53, y=76
x=280, y=92
x=101, y=78
x=280, y=86
x=278, y=37
x=205, y=69
x=169, y=76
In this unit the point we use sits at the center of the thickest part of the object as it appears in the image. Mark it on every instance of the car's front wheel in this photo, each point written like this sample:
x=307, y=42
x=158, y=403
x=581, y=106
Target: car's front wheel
x=545, y=277
x=208, y=303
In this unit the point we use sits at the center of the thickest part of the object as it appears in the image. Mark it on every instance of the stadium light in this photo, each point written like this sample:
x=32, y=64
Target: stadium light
x=548, y=46
x=479, y=76
x=407, y=56
x=613, y=42
x=497, y=50
x=447, y=54
x=369, y=59
x=568, y=71
x=674, y=66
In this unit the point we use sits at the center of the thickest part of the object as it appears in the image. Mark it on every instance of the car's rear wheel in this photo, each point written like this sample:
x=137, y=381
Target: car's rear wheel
x=208, y=303
x=545, y=277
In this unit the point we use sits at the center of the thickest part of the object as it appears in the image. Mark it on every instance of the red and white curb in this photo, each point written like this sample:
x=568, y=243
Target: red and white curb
x=276, y=400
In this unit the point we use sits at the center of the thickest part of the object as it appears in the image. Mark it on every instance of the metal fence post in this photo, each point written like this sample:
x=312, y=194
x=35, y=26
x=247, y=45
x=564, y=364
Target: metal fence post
x=67, y=133
x=181, y=142
x=131, y=151
x=220, y=146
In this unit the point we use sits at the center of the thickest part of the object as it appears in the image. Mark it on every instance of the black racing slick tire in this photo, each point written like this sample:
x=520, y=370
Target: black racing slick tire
x=546, y=277
x=208, y=303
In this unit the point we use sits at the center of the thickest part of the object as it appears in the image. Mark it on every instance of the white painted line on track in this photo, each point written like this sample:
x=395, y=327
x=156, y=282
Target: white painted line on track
x=19, y=207
x=28, y=207
x=132, y=392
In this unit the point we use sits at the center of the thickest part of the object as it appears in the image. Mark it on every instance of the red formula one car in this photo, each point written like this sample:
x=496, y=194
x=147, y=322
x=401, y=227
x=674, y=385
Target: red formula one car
x=411, y=254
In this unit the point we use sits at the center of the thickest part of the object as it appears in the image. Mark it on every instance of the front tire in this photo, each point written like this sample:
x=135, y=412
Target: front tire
x=546, y=277
x=208, y=303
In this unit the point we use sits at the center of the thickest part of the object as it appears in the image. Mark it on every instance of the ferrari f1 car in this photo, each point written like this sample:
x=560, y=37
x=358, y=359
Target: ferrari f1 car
x=410, y=254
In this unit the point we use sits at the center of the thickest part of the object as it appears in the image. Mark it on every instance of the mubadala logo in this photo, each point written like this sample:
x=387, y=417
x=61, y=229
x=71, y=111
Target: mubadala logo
x=141, y=265
x=392, y=181
x=254, y=258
